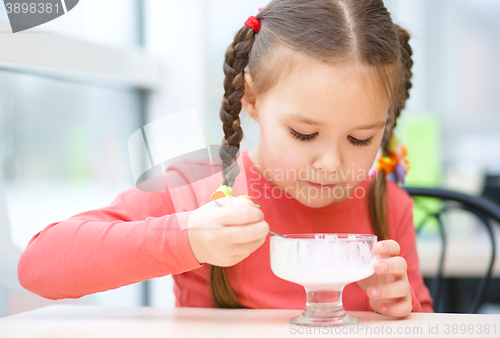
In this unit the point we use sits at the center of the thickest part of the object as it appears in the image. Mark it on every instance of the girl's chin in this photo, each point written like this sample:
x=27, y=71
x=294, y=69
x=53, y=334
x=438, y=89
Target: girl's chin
x=320, y=202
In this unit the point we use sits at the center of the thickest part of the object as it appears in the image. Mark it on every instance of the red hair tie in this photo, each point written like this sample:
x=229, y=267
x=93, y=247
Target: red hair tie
x=253, y=23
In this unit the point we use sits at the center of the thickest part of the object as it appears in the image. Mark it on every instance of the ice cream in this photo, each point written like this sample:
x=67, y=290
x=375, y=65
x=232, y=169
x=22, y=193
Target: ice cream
x=323, y=261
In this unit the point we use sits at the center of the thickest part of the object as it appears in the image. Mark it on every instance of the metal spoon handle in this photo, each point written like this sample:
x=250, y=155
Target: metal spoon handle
x=277, y=234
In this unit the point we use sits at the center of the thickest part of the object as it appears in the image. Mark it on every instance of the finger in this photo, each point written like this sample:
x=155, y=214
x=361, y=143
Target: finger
x=233, y=260
x=400, y=308
x=243, y=214
x=230, y=201
x=231, y=212
x=246, y=233
x=396, y=265
x=397, y=289
x=248, y=247
x=388, y=247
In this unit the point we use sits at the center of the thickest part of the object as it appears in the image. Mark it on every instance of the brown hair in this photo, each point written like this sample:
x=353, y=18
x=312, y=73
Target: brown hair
x=323, y=30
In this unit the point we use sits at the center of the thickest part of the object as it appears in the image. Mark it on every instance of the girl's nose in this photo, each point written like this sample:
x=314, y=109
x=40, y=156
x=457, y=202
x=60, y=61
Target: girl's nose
x=329, y=162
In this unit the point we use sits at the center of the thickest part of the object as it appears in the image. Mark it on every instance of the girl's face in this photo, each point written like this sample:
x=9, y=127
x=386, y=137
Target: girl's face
x=322, y=123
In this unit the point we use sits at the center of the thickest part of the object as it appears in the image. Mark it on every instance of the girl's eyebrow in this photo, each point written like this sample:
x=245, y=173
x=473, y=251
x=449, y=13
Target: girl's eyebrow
x=306, y=120
x=303, y=119
x=376, y=125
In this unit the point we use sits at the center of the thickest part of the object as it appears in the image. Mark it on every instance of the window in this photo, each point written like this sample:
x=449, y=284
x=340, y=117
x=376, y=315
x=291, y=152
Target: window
x=72, y=92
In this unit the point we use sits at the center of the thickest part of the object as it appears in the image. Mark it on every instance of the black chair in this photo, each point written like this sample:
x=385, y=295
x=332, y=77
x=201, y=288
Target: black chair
x=491, y=188
x=482, y=208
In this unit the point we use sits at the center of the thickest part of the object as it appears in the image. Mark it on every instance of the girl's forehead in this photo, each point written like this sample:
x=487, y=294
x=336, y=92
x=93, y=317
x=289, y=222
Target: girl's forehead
x=332, y=91
x=322, y=81
x=334, y=72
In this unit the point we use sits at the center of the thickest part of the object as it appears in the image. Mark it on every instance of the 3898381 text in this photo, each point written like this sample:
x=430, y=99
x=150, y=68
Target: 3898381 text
x=479, y=329
x=31, y=7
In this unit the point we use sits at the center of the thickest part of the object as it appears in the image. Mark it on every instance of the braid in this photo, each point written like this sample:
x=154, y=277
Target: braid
x=406, y=65
x=236, y=59
x=378, y=206
x=234, y=65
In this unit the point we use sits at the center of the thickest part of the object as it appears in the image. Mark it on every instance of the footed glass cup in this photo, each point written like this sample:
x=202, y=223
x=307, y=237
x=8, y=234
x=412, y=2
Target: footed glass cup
x=323, y=264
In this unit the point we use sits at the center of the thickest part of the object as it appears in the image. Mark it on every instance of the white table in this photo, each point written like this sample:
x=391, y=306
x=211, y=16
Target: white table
x=95, y=321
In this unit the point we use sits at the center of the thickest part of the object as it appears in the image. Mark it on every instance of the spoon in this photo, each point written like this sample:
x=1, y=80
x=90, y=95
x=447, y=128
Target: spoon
x=277, y=234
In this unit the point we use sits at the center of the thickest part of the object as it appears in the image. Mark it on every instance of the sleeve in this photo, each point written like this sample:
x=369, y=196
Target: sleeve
x=406, y=237
x=136, y=238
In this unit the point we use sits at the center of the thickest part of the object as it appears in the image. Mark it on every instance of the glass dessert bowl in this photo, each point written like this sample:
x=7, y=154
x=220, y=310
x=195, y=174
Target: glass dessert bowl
x=323, y=264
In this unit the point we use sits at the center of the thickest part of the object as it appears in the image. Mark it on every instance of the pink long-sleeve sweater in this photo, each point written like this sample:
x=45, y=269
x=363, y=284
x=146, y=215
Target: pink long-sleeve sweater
x=142, y=235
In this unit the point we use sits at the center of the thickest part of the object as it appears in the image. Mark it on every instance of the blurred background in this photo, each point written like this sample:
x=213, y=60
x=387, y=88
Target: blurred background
x=64, y=129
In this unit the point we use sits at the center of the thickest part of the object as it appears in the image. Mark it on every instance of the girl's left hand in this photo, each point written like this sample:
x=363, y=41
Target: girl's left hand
x=388, y=288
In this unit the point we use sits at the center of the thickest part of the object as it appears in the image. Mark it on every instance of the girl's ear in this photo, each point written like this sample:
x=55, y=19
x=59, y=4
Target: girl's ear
x=248, y=101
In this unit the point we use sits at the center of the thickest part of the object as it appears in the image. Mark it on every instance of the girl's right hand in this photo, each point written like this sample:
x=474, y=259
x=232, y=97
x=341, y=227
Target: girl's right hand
x=225, y=234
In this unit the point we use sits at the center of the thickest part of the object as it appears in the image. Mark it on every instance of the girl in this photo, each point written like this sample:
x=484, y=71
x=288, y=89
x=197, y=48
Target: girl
x=326, y=81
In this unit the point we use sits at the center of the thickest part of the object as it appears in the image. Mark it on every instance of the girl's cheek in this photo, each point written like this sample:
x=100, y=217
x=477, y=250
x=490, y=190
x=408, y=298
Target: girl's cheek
x=284, y=169
x=360, y=166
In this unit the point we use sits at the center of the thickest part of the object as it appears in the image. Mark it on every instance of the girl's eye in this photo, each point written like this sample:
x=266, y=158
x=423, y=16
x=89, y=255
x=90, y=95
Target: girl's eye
x=303, y=137
x=357, y=142
x=353, y=140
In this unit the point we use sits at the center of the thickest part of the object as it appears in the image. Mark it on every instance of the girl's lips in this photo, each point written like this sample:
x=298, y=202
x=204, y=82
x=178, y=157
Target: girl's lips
x=324, y=186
